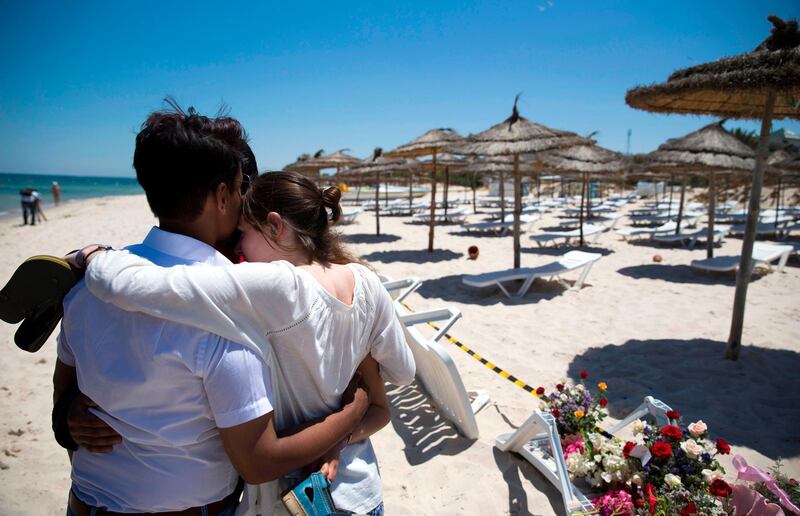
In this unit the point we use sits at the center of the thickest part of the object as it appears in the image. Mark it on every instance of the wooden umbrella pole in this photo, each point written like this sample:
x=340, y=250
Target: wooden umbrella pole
x=580, y=217
x=778, y=202
x=588, y=198
x=671, y=183
x=680, y=206
x=474, y=184
x=433, y=204
x=502, y=196
x=746, y=260
x=410, y=190
x=712, y=209
x=517, y=210
x=385, y=193
x=378, y=203
x=446, y=187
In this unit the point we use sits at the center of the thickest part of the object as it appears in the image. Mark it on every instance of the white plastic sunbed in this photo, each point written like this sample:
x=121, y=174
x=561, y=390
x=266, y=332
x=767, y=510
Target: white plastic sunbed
x=690, y=239
x=456, y=215
x=538, y=442
x=350, y=216
x=763, y=254
x=589, y=230
x=663, y=229
x=763, y=228
x=436, y=371
x=497, y=226
x=570, y=261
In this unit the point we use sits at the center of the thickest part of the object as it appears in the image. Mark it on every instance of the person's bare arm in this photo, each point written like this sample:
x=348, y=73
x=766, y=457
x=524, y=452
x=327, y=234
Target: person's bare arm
x=377, y=415
x=259, y=455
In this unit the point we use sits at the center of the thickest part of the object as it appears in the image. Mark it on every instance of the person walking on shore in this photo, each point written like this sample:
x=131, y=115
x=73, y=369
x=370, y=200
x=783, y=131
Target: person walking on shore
x=56, y=190
x=28, y=205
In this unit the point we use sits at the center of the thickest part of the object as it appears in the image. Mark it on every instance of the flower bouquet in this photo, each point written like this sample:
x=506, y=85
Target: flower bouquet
x=666, y=470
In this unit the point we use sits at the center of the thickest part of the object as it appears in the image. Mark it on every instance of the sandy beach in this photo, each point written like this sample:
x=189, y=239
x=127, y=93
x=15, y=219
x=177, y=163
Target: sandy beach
x=642, y=327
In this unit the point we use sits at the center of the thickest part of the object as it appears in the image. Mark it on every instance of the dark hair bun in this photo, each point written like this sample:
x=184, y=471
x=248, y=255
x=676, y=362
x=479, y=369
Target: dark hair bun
x=330, y=199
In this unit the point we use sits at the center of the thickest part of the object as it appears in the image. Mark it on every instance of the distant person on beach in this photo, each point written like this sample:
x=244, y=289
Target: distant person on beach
x=194, y=410
x=316, y=310
x=28, y=205
x=37, y=206
x=56, y=191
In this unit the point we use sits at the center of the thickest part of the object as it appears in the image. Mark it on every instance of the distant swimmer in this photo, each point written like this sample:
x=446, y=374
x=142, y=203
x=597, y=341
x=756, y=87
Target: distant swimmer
x=56, y=190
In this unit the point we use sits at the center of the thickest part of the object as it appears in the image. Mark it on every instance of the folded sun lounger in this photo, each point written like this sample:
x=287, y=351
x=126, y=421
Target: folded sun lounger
x=350, y=216
x=588, y=230
x=436, y=371
x=570, y=261
x=537, y=441
x=763, y=254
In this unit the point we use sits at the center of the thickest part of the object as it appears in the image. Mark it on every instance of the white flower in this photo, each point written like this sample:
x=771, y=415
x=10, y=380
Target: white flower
x=692, y=449
x=712, y=475
x=698, y=428
x=637, y=479
x=563, y=397
x=638, y=427
x=580, y=387
x=672, y=480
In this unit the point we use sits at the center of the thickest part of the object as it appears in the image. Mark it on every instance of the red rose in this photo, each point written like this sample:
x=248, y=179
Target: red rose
x=720, y=488
x=626, y=451
x=661, y=450
x=540, y=391
x=555, y=412
x=650, y=495
x=691, y=508
x=672, y=432
x=673, y=415
x=722, y=447
x=603, y=402
x=560, y=387
x=584, y=375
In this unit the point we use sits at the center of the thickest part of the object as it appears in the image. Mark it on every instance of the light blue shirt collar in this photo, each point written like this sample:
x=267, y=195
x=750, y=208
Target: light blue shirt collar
x=181, y=247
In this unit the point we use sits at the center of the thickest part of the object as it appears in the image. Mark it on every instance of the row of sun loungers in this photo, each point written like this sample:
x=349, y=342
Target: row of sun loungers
x=763, y=254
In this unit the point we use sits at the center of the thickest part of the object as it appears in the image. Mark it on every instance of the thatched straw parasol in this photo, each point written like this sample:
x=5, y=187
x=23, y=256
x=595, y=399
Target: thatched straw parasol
x=782, y=164
x=585, y=160
x=431, y=143
x=762, y=84
x=305, y=165
x=376, y=165
x=710, y=149
x=512, y=137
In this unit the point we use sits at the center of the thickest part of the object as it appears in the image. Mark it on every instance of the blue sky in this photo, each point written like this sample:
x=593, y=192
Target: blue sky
x=78, y=78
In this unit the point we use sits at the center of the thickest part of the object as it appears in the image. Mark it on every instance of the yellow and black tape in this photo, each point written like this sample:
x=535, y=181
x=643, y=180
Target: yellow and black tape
x=491, y=365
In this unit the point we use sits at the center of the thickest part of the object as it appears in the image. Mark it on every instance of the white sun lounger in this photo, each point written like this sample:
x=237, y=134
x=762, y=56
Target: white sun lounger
x=456, y=215
x=436, y=371
x=497, y=226
x=763, y=228
x=690, y=239
x=350, y=216
x=589, y=230
x=538, y=442
x=663, y=229
x=570, y=261
x=763, y=254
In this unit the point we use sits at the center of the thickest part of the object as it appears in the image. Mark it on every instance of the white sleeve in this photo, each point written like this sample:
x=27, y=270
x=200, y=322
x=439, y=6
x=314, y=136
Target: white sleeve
x=63, y=351
x=237, y=383
x=387, y=341
x=241, y=302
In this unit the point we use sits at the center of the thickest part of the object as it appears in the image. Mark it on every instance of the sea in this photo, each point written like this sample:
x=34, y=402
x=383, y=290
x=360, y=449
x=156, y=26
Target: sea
x=73, y=188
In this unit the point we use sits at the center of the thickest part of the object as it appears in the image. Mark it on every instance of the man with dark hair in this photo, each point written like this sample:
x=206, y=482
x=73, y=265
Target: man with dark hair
x=180, y=398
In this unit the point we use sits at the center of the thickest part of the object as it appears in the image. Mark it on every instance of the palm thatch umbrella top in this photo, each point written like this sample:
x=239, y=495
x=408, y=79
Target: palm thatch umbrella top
x=432, y=141
x=733, y=87
x=516, y=135
x=336, y=159
x=710, y=147
x=591, y=159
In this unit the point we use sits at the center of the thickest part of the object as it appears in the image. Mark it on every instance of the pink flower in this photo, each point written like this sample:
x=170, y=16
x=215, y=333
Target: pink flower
x=571, y=444
x=614, y=502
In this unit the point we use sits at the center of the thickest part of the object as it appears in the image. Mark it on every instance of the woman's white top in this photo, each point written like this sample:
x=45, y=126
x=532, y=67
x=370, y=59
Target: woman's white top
x=311, y=341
